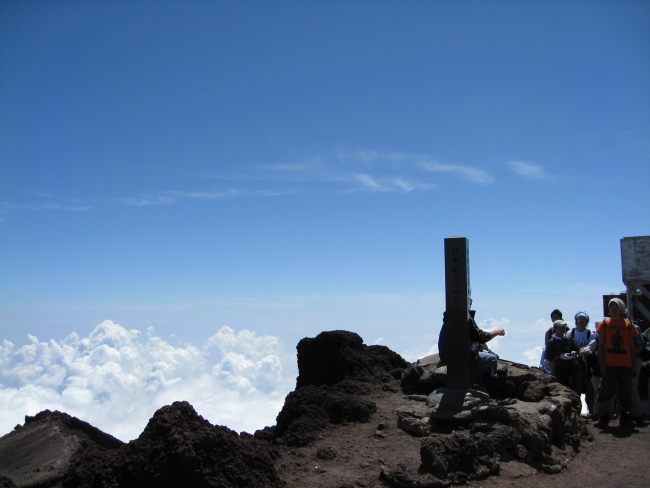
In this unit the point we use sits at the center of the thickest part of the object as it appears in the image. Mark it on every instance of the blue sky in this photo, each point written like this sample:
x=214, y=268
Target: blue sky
x=284, y=168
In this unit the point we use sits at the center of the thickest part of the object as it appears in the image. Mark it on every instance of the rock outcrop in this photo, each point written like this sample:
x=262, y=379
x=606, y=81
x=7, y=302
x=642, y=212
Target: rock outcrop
x=39, y=452
x=331, y=357
x=179, y=448
x=528, y=415
x=336, y=372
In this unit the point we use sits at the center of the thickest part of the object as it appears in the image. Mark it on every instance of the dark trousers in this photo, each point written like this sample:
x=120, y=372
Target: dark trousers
x=564, y=371
x=582, y=384
x=617, y=379
x=644, y=376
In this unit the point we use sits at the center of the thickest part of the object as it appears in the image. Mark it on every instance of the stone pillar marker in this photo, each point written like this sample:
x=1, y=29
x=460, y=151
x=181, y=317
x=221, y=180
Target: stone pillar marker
x=457, y=292
x=457, y=396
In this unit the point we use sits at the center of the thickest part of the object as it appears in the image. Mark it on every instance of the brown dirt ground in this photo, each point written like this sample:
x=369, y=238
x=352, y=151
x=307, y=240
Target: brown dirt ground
x=615, y=457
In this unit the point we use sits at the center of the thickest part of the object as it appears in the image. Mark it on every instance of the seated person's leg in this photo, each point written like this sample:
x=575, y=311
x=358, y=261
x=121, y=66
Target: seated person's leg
x=486, y=363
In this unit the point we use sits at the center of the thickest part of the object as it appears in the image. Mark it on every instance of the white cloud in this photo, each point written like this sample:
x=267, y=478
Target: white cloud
x=491, y=324
x=388, y=184
x=206, y=195
x=149, y=200
x=116, y=378
x=413, y=355
x=7, y=208
x=542, y=324
x=528, y=170
x=533, y=355
x=370, y=182
x=472, y=174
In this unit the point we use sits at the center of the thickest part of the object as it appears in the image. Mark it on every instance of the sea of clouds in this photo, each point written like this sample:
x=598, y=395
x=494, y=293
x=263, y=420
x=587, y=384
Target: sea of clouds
x=116, y=378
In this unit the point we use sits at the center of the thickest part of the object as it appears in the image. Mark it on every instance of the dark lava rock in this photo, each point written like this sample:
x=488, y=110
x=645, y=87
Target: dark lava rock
x=332, y=356
x=456, y=458
x=73, y=423
x=496, y=413
x=310, y=409
x=398, y=477
x=179, y=448
x=533, y=391
x=498, y=440
x=7, y=483
x=336, y=369
x=38, y=453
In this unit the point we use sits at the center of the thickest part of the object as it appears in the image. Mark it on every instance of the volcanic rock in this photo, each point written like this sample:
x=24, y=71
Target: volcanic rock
x=333, y=356
x=179, y=448
x=38, y=453
x=336, y=369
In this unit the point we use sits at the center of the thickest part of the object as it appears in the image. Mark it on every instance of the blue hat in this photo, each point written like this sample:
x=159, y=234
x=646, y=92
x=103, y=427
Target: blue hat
x=582, y=314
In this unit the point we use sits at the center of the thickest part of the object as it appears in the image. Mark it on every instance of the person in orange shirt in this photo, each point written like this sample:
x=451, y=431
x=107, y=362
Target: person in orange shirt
x=619, y=342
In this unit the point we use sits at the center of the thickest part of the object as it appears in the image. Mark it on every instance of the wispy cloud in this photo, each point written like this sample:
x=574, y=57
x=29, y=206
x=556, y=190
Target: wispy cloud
x=341, y=171
x=172, y=196
x=149, y=200
x=371, y=183
x=528, y=170
x=366, y=300
x=207, y=195
x=466, y=172
x=7, y=208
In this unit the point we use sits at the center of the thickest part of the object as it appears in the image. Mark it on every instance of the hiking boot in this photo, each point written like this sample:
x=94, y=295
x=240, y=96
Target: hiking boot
x=502, y=372
x=604, y=421
x=639, y=421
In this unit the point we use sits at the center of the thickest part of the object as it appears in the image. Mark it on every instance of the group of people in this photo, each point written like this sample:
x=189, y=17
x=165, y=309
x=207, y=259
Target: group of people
x=604, y=364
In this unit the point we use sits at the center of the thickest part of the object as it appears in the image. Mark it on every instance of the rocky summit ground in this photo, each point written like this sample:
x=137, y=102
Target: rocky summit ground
x=360, y=416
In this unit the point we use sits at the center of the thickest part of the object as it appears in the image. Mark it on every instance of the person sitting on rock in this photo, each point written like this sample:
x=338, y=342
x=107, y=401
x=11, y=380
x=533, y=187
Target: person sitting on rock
x=482, y=359
x=562, y=351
